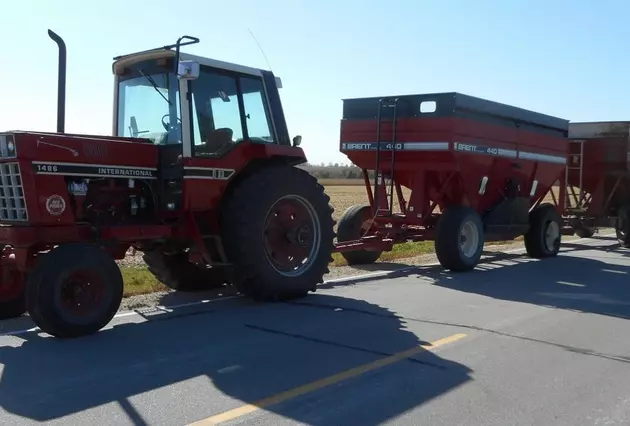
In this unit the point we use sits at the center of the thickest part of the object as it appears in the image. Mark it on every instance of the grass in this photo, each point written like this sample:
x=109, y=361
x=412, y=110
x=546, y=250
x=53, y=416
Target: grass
x=138, y=280
x=343, y=194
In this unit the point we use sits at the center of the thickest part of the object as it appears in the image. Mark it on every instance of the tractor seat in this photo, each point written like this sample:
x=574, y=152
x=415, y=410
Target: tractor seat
x=216, y=140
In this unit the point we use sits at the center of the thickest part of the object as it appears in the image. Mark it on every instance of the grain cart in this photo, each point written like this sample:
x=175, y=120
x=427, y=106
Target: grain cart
x=199, y=175
x=476, y=171
x=598, y=178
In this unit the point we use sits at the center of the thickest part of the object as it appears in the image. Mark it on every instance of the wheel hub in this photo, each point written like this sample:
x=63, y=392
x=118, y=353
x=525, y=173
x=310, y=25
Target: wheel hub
x=81, y=292
x=552, y=235
x=469, y=239
x=291, y=235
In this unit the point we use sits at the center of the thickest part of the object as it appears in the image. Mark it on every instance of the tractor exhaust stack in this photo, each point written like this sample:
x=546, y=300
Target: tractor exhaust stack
x=61, y=84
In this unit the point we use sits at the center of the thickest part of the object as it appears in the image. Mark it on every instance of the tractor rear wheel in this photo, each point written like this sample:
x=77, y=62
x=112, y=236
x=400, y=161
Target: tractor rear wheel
x=355, y=222
x=459, y=238
x=177, y=273
x=277, y=231
x=12, y=303
x=74, y=290
x=544, y=235
x=622, y=226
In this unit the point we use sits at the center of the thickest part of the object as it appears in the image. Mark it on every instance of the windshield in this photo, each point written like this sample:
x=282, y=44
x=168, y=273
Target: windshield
x=148, y=107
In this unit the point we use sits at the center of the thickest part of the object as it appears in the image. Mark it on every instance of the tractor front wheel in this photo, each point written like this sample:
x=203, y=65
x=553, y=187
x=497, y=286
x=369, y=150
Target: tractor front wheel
x=459, y=239
x=544, y=235
x=277, y=230
x=74, y=290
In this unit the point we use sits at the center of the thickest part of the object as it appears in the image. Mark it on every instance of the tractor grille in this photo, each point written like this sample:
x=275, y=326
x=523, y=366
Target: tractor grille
x=12, y=202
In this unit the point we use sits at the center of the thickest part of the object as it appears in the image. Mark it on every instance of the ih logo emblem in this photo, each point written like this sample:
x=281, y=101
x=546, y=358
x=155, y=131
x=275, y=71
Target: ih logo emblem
x=55, y=205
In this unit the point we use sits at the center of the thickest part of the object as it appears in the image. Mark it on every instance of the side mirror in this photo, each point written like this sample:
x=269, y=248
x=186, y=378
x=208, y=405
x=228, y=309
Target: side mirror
x=297, y=141
x=188, y=70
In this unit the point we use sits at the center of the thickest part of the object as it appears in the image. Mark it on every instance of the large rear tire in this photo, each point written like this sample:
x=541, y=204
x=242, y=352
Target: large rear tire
x=277, y=231
x=353, y=225
x=544, y=236
x=459, y=239
x=74, y=290
x=177, y=273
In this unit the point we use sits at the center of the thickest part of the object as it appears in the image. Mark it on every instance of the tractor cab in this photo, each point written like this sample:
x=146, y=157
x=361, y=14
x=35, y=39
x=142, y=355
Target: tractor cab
x=203, y=106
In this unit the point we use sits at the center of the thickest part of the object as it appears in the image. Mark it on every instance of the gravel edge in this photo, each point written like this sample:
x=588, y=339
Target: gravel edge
x=156, y=299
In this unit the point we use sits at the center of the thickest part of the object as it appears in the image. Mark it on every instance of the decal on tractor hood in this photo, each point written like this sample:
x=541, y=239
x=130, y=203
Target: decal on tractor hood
x=93, y=170
x=212, y=173
x=55, y=205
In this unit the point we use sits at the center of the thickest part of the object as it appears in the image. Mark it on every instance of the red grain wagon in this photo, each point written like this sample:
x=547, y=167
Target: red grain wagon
x=598, y=178
x=486, y=166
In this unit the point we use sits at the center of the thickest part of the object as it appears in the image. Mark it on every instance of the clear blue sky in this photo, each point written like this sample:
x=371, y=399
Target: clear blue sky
x=561, y=57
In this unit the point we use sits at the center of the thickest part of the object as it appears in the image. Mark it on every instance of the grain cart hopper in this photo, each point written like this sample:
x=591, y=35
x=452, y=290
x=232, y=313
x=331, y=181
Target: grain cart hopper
x=476, y=171
x=598, y=178
x=199, y=175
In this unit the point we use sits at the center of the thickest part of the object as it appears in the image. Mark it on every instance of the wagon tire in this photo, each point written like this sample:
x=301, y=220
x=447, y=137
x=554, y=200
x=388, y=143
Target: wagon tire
x=585, y=231
x=176, y=272
x=459, y=239
x=273, y=218
x=544, y=236
x=352, y=226
x=622, y=226
x=74, y=290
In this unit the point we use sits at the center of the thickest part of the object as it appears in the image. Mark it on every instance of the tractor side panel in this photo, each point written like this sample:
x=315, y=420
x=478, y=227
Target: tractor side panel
x=207, y=179
x=55, y=170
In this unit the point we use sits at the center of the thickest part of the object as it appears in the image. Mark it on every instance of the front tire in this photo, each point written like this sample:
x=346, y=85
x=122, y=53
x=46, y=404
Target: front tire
x=544, y=236
x=459, y=239
x=74, y=290
x=277, y=231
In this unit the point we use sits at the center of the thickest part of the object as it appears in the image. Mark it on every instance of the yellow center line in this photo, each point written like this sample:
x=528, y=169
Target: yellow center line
x=327, y=381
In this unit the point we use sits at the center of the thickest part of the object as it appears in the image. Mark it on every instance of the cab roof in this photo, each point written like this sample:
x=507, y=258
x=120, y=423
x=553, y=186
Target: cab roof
x=122, y=62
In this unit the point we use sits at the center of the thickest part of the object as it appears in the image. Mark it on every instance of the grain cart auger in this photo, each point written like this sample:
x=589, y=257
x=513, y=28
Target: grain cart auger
x=199, y=175
x=475, y=171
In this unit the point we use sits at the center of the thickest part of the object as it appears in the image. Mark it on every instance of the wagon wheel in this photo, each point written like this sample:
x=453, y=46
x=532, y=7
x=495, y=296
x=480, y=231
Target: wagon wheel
x=543, y=237
x=354, y=224
x=622, y=226
x=459, y=238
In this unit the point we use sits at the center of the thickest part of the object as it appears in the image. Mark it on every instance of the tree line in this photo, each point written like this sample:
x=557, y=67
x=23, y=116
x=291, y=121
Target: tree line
x=334, y=171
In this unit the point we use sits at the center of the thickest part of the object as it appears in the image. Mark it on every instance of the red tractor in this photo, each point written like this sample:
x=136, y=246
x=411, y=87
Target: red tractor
x=199, y=175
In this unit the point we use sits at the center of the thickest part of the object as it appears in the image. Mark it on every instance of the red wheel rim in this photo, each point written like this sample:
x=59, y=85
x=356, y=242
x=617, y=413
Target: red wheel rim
x=81, y=292
x=291, y=235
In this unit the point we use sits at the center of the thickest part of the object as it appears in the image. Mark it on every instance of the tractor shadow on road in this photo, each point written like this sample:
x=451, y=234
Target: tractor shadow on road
x=249, y=351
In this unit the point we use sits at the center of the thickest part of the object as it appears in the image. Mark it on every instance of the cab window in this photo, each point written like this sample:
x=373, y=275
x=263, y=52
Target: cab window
x=219, y=120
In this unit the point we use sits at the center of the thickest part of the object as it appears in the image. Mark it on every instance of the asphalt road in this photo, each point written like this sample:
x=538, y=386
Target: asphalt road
x=516, y=342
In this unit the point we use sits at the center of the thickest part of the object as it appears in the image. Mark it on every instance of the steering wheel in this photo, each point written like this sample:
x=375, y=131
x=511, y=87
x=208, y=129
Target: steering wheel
x=167, y=125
